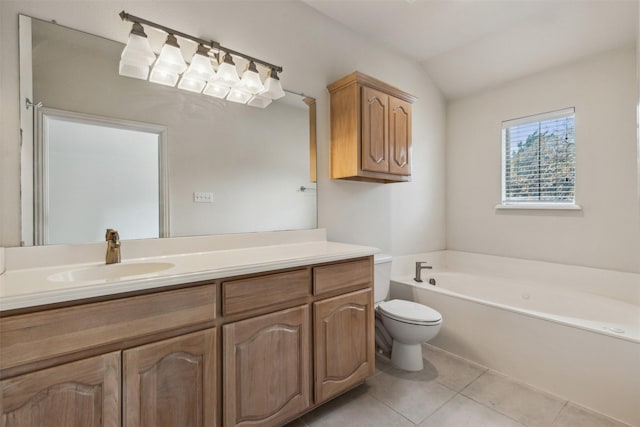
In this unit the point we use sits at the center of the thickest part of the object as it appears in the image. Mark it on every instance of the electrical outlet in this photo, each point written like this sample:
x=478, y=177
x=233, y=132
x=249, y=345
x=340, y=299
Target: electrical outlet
x=202, y=197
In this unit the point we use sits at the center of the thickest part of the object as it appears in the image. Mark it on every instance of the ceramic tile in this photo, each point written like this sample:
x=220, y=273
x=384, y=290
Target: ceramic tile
x=573, y=415
x=382, y=363
x=530, y=407
x=355, y=409
x=411, y=394
x=464, y=412
x=450, y=370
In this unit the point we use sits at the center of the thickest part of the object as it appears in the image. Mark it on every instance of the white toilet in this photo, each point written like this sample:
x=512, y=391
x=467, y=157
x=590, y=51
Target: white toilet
x=408, y=324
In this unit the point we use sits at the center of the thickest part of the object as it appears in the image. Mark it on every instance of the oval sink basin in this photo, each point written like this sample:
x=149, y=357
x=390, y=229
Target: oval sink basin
x=110, y=272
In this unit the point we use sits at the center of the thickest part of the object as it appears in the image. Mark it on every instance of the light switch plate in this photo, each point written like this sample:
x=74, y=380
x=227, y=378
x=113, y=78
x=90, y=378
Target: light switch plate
x=202, y=197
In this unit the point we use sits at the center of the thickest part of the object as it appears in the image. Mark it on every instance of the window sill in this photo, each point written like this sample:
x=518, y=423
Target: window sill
x=541, y=206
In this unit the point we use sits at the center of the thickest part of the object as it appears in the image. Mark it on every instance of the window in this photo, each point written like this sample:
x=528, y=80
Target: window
x=539, y=160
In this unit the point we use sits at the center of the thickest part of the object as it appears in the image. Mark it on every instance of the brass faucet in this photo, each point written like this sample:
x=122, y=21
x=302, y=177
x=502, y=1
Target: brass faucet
x=113, y=246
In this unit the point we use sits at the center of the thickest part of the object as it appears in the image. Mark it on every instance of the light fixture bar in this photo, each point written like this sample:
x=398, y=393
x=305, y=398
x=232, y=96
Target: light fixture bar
x=213, y=44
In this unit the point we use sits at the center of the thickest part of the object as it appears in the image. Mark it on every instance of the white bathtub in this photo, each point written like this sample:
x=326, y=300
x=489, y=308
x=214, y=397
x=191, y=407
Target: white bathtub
x=572, y=331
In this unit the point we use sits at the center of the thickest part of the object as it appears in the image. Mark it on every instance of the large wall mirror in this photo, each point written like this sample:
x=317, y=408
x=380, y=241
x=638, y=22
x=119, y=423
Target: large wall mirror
x=105, y=151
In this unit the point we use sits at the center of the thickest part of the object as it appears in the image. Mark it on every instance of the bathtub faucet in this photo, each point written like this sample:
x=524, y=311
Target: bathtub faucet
x=419, y=267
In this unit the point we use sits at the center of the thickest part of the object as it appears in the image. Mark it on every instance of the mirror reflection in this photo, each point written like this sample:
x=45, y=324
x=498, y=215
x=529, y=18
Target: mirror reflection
x=228, y=168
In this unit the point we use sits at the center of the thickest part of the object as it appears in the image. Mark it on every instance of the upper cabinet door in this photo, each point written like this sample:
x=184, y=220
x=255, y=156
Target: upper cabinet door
x=78, y=394
x=171, y=382
x=399, y=136
x=375, y=134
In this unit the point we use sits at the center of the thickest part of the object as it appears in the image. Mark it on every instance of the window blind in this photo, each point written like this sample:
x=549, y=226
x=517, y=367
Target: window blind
x=539, y=158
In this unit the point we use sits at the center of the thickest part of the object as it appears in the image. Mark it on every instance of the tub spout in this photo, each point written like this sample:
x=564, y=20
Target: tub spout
x=419, y=267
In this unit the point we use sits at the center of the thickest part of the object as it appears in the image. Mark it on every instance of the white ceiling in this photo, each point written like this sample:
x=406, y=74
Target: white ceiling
x=469, y=45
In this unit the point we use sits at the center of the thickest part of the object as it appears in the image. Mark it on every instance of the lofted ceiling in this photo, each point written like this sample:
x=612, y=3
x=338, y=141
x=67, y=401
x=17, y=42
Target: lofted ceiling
x=469, y=45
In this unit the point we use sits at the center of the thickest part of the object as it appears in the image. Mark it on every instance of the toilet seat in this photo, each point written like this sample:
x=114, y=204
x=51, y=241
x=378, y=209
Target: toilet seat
x=410, y=312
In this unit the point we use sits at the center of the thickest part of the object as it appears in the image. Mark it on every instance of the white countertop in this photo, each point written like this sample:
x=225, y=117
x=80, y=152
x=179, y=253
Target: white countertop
x=30, y=287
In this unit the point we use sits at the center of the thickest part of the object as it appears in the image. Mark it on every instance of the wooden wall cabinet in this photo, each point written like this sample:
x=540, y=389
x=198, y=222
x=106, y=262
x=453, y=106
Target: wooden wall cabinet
x=291, y=339
x=370, y=130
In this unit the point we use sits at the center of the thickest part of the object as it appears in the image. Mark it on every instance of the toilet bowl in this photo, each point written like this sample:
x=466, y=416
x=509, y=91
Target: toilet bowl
x=408, y=323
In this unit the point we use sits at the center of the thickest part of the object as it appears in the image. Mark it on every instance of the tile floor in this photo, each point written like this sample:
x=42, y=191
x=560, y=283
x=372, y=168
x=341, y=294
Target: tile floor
x=450, y=391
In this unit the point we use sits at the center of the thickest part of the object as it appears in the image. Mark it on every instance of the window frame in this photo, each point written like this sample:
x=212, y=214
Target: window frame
x=532, y=204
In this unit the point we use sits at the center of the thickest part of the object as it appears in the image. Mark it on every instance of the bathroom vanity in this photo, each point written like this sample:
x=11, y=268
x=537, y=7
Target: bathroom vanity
x=259, y=348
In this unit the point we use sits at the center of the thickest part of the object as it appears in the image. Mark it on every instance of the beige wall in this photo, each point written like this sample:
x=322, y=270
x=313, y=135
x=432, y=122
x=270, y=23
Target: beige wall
x=314, y=51
x=606, y=233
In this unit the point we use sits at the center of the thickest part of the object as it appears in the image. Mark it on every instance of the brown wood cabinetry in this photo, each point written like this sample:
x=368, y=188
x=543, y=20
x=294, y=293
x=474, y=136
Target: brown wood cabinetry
x=344, y=342
x=266, y=368
x=291, y=339
x=85, y=393
x=370, y=130
x=171, y=382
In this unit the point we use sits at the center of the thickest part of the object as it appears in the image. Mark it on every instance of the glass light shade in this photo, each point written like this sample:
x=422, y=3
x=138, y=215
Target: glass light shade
x=200, y=70
x=239, y=95
x=259, y=101
x=138, y=49
x=163, y=77
x=272, y=86
x=135, y=69
x=251, y=79
x=227, y=72
x=200, y=67
x=170, y=59
x=217, y=89
x=191, y=84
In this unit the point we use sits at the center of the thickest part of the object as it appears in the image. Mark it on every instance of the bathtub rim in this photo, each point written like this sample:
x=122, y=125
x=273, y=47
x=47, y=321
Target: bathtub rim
x=407, y=281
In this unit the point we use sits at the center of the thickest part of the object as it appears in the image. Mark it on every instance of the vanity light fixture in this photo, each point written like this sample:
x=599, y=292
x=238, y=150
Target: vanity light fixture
x=169, y=64
x=251, y=79
x=217, y=89
x=227, y=73
x=239, y=95
x=199, y=72
x=259, y=101
x=137, y=55
x=272, y=85
x=199, y=75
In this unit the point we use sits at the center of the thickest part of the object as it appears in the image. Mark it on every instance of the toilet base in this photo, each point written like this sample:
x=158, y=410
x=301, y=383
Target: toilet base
x=407, y=356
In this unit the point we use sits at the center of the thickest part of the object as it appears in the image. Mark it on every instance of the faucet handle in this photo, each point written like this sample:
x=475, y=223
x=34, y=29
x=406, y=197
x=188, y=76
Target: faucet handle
x=421, y=264
x=111, y=234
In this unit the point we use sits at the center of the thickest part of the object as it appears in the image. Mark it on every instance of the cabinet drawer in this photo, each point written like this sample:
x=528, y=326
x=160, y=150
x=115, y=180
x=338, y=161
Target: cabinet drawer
x=33, y=337
x=265, y=291
x=347, y=275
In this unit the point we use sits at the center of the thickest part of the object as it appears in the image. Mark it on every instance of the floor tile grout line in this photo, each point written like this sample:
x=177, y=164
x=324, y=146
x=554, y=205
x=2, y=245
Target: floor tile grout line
x=497, y=411
x=387, y=405
x=438, y=408
x=566, y=402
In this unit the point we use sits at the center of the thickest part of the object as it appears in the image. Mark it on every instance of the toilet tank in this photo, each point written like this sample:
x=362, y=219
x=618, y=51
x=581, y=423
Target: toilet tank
x=381, y=276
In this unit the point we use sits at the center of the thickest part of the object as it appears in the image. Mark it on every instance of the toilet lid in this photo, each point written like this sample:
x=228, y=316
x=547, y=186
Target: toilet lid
x=410, y=312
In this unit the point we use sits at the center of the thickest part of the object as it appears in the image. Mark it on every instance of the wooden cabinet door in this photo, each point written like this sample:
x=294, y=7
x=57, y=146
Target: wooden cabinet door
x=399, y=136
x=344, y=342
x=171, y=382
x=375, y=133
x=266, y=365
x=78, y=394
